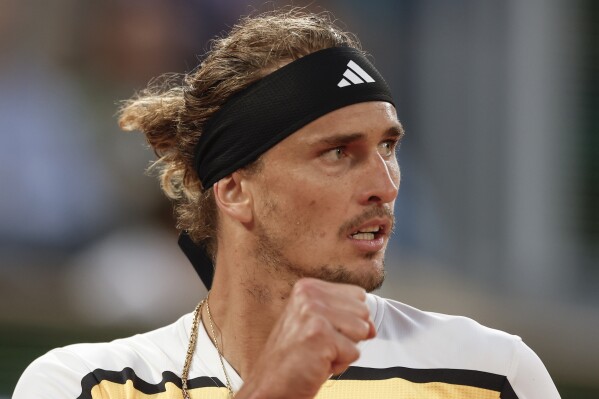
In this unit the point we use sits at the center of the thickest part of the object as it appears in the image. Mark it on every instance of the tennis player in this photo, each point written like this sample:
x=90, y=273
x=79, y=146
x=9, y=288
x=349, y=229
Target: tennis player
x=280, y=154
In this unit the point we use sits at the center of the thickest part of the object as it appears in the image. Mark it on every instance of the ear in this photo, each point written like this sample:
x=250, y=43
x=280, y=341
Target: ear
x=233, y=197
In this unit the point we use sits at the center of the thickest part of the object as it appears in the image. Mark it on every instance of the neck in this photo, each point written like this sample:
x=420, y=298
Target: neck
x=245, y=303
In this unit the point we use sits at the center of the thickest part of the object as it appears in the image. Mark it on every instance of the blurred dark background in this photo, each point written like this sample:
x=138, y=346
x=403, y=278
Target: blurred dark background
x=498, y=212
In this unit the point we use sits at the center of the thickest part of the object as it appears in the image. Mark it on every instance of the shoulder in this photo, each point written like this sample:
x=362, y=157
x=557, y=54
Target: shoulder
x=398, y=318
x=428, y=338
x=412, y=338
x=63, y=371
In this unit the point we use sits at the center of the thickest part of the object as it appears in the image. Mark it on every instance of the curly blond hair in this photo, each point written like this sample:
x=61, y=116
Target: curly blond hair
x=172, y=115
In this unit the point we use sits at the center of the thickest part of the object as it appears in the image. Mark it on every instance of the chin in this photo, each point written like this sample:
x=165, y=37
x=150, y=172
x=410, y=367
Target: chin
x=370, y=276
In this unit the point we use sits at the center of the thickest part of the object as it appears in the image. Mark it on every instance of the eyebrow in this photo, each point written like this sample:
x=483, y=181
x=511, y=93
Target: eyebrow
x=342, y=139
x=395, y=131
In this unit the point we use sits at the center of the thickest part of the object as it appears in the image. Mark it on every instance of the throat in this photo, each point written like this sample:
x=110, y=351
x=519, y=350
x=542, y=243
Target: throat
x=241, y=324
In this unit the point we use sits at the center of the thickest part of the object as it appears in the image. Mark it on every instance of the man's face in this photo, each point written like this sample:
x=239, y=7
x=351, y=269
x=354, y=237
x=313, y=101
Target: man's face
x=323, y=198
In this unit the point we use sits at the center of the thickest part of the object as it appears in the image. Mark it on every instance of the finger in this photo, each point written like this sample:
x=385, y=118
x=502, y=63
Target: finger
x=342, y=297
x=350, y=305
x=352, y=327
x=347, y=353
x=345, y=322
x=312, y=286
x=372, y=329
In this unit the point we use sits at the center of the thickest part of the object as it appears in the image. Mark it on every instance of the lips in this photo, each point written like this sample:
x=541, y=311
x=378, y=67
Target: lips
x=371, y=229
x=370, y=236
x=368, y=233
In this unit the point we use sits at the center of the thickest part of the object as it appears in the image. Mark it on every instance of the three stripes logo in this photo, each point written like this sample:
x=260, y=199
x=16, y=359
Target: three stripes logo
x=354, y=74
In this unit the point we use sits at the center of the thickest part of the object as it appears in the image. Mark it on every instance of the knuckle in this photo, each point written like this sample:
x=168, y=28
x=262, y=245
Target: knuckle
x=360, y=293
x=306, y=287
x=308, y=284
x=309, y=307
x=316, y=328
x=302, y=288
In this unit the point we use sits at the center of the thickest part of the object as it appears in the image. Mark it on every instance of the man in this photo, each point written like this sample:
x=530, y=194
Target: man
x=280, y=154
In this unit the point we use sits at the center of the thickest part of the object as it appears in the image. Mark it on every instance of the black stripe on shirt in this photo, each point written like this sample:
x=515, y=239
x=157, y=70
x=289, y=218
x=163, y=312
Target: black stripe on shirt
x=121, y=377
x=473, y=378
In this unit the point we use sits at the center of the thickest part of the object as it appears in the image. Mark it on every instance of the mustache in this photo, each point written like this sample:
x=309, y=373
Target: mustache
x=384, y=211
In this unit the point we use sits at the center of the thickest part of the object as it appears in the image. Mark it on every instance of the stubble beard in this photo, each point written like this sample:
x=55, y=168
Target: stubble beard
x=270, y=255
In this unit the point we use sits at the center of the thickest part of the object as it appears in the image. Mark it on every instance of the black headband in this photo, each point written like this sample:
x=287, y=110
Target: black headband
x=269, y=110
x=258, y=117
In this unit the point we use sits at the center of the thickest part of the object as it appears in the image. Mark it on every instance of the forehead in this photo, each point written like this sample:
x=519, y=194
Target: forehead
x=370, y=119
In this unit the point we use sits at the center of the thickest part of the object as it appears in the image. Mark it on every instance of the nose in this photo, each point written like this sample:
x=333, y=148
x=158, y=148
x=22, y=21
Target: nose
x=380, y=179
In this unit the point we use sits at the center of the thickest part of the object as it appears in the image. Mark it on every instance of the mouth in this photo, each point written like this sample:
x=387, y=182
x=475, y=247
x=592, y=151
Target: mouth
x=372, y=230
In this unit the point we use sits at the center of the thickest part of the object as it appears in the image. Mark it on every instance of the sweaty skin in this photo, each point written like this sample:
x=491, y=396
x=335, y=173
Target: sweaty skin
x=300, y=242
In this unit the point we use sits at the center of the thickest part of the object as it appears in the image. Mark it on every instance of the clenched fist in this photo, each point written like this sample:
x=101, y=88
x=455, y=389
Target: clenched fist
x=315, y=337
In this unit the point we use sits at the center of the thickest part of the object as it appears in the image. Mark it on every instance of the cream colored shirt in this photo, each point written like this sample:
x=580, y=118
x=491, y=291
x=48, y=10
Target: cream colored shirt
x=415, y=355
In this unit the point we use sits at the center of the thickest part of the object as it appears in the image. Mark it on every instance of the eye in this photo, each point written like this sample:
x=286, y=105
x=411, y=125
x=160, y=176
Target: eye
x=334, y=154
x=387, y=148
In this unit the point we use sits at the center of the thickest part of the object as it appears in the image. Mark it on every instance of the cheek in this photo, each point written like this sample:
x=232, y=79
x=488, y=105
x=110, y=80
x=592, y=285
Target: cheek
x=313, y=213
x=324, y=211
x=316, y=220
x=307, y=207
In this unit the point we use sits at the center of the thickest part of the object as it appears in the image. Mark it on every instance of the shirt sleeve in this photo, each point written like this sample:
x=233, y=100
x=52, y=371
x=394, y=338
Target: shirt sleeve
x=55, y=375
x=528, y=377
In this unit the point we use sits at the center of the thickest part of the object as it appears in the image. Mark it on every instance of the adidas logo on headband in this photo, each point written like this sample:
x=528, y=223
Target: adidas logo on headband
x=355, y=75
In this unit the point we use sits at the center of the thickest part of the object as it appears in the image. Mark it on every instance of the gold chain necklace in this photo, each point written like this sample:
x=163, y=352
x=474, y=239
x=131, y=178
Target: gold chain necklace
x=197, y=315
